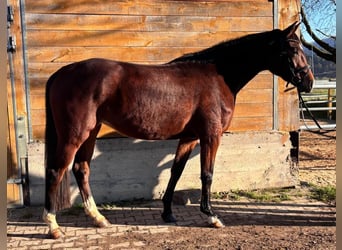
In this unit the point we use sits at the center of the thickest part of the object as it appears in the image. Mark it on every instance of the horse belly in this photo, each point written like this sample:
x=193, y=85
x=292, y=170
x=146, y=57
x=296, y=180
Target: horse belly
x=150, y=122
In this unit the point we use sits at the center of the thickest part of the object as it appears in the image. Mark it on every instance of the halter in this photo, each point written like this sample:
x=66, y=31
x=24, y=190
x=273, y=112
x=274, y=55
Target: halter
x=295, y=80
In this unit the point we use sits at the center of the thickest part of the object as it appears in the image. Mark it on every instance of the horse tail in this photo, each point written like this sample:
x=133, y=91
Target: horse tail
x=63, y=190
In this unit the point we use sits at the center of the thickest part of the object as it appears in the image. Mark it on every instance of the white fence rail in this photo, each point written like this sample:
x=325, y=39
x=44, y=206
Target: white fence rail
x=322, y=101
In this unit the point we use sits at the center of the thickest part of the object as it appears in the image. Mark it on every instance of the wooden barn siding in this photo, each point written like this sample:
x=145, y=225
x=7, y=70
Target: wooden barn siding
x=61, y=32
x=15, y=29
x=288, y=115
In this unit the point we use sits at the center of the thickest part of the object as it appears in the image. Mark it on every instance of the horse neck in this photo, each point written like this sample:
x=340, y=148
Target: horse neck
x=238, y=61
x=239, y=68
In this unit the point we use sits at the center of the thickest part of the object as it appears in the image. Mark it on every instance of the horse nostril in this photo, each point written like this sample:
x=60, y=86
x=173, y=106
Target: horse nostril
x=311, y=76
x=310, y=85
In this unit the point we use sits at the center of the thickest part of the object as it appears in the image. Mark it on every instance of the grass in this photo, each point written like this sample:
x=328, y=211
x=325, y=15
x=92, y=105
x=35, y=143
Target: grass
x=263, y=195
x=27, y=215
x=326, y=194
x=74, y=210
x=124, y=203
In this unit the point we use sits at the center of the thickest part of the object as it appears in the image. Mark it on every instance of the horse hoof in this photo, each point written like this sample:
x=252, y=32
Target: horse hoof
x=103, y=223
x=168, y=218
x=56, y=234
x=215, y=222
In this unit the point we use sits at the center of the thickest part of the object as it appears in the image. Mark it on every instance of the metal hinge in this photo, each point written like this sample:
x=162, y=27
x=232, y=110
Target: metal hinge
x=11, y=44
x=10, y=14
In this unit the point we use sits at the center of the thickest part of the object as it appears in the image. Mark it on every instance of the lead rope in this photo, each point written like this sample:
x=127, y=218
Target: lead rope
x=302, y=103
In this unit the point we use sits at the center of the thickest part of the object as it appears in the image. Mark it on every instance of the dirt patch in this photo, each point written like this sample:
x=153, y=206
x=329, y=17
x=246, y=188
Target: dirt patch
x=317, y=158
x=242, y=237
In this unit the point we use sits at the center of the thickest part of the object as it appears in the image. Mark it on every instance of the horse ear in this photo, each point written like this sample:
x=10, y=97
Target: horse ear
x=288, y=32
x=291, y=29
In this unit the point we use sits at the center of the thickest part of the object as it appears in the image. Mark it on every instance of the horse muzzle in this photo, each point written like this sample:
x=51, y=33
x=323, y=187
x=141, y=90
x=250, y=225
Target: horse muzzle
x=303, y=79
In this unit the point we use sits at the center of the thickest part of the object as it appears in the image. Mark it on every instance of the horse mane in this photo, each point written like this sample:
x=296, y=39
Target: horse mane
x=228, y=47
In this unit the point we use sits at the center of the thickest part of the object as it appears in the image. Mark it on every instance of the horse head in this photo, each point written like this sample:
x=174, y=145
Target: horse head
x=289, y=61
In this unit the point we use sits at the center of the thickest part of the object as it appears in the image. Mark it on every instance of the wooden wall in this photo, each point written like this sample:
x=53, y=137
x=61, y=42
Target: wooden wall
x=16, y=106
x=59, y=32
x=149, y=32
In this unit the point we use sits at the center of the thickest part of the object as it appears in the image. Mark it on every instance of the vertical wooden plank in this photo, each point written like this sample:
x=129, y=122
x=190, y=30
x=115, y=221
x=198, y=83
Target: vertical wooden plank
x=16, y=100
x=12, y=189
x=13, y=192
x=288, y=101
x=11, y=145
x=19, y=74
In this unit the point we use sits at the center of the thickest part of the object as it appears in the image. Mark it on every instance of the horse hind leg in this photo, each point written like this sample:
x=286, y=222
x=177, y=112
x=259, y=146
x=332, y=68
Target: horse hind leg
x=59, y=160
x=55, y=171
x=81, y=170
x=184, y=149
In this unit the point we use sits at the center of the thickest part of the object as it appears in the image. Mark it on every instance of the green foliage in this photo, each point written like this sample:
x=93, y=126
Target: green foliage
x=74, y=210
x=27, y=215
x=310, y=191
x=325, y=194
x=264, y=195
x=323, y=69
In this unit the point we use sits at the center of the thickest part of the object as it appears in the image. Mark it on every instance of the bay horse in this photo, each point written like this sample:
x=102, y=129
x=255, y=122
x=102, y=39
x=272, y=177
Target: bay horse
x=191, y=98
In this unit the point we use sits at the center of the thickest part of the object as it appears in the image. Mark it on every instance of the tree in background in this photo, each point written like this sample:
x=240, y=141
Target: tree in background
x=319, y=19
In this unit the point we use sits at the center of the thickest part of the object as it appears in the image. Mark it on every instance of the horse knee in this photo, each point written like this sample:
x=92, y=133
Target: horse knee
x=81, y=170
x=207, y=178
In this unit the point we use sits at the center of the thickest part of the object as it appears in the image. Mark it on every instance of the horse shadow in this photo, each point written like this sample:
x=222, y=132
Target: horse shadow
x=130, y=169
x=128, y=195
x=146, y=214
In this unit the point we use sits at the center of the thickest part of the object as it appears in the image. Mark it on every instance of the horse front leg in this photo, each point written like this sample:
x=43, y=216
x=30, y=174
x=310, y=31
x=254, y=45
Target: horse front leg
x=208, y=153
x=184, y=149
